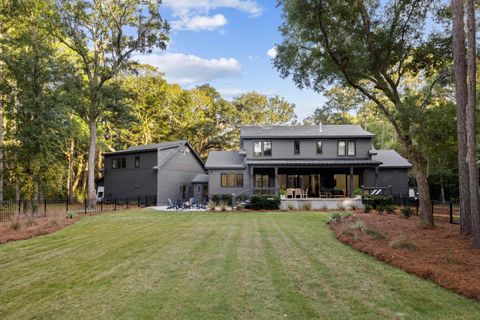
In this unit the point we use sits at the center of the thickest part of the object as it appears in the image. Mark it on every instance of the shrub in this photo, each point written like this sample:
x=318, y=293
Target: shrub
x=226, y=199
x=389, y=208
x=358, y=192
x=307, y=205
x=380, y=209
x=325, y=208
x=358, y=225
x=335, y=217
x=340, y=206
x=70, y=215
x=265, y=202
x=347, y=232
x=375, y=234
x=347, y=215
x=215, y=199
x=30, y=221
x=15, y=222
x=290, y=206
x=402, y=243
x=376, y=201
x=406, y=212
x=368, y=208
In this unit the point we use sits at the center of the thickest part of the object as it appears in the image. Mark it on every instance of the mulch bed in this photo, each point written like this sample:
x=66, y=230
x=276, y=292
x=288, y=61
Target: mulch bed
x=442, y=255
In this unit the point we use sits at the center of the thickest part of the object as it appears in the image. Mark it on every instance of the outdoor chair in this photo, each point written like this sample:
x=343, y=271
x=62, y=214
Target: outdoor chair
x=171, y=205
x=298, y=193
x=305, y=194
x=290, y=193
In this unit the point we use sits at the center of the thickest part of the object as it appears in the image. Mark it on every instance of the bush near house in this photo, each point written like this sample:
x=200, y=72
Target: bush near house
x=377, y=201
x=265, y=202
x=222, y=198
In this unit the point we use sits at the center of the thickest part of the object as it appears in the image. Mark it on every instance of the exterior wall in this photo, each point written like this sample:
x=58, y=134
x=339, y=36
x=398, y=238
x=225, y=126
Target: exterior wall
x=397, y=178
x=369, y=179
x=130, y=180
x=198, y=191
x=214, y=184
x=283, y=148
x=179, y=170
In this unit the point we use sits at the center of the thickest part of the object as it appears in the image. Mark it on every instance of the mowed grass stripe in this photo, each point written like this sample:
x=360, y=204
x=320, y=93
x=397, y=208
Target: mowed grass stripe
x=151, y=265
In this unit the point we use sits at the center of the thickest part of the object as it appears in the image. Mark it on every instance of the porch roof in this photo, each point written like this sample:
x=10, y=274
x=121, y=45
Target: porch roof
x=318, y=163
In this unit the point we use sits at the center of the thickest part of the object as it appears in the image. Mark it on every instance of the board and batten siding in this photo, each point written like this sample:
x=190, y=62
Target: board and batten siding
x=215, y=186
x=130, y=180
x=284, y=148
x=396, y=177
x=178, y=170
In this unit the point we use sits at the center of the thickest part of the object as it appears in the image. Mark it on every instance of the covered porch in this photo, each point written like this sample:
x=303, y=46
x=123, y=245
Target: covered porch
x=337, y=180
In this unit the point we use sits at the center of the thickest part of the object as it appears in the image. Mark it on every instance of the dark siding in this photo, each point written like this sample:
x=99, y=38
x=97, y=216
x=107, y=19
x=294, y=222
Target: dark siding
x=397, y=178
x=179, y=169
x=131, y=180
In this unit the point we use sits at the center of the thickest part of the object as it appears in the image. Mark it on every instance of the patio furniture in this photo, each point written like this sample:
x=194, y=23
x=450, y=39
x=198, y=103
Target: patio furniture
x=171, y=205
x=298, y=193
x=305, y=194
x=290, y=193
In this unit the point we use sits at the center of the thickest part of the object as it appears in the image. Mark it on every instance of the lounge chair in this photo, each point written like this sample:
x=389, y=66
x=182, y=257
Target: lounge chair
x=171, y=205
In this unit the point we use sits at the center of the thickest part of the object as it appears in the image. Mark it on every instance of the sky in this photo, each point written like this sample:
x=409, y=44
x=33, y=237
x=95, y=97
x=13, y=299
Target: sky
x=228, y=44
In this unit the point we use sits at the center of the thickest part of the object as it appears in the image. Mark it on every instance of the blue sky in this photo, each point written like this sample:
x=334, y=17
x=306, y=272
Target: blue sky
x=225, y=43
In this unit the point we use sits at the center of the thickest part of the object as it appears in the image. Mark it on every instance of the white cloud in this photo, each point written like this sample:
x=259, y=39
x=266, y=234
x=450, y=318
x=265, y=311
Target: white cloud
x=187, y=7
x=190, y=69
x=231, y=92
x=198, y=23
x=272, y=52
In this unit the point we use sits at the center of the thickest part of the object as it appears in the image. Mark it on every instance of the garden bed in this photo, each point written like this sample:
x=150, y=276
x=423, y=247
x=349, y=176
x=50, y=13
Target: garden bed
x=439, y=254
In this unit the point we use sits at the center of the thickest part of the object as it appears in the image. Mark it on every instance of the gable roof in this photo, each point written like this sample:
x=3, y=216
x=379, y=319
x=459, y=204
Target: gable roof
x=391, y=159
x=225, y=160
x=165, y=150
x=315, y=131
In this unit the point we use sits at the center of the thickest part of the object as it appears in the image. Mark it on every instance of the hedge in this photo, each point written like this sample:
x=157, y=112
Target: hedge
x=377, y=201
x=265, y=202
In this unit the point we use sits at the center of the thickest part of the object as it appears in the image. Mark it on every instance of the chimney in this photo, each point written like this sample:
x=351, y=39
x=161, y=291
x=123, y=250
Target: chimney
x=320, y=127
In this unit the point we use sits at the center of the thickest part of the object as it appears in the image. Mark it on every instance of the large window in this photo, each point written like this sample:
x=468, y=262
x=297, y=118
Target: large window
x=223, y=180
x=119, y=163
x=346, y=148
x=231, y=180
x=262, y=180
x=262, y=148
x=296, y=147
x=351, y=148
x=319, y=147
x=341, y=148
x=240, y=180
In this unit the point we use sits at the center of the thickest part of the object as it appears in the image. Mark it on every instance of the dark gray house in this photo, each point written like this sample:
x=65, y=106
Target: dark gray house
x=318, y=161
x=164, y=169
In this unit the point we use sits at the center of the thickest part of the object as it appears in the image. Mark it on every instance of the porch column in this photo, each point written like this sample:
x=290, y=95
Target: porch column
x=251, y=179
x=276, y=181
x=351, y=183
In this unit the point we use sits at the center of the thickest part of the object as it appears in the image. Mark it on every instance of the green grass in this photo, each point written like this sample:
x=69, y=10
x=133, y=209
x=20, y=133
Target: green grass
x=151, y=265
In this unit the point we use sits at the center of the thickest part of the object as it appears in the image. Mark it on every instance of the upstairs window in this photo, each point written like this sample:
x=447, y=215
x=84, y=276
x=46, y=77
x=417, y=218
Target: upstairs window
x=137, y=161
x=351, y=148
x=341, y=148
x=319, y=147
x=296, y=147
x=119, y=163
x=262, y=148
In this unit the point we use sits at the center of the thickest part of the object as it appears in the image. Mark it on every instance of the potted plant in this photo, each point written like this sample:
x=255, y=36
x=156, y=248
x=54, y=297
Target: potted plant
x=283, y=194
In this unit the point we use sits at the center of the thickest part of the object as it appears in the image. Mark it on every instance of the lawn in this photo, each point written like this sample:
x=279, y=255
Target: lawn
x=146, y=264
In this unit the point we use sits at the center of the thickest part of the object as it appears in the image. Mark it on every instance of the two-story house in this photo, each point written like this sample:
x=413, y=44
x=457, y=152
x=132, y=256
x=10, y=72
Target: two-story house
x=319, y=161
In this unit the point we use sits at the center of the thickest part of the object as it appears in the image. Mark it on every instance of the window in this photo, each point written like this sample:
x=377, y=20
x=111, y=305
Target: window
x=296, y=147
x=119, y=163
x=319, y=147
x=262, y=148
x=223, y=180
x=341, y=148
x=257, y=148
x=351, y=148
x=137, y=161
x=231, y=180
x=240, y=180
x=262, y=180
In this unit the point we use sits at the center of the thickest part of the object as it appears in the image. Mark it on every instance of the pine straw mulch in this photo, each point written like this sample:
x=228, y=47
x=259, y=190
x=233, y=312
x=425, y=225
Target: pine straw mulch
x=439, y=254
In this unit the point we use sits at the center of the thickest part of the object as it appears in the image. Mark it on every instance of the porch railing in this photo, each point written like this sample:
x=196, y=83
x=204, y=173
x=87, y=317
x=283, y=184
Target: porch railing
x=271, y=191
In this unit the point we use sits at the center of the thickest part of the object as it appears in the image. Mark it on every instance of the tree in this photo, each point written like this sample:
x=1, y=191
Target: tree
x=371, y=47
x=104, y=34
x=471, y=125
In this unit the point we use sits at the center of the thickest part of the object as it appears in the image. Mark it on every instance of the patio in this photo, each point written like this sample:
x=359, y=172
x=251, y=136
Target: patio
x=321, y=203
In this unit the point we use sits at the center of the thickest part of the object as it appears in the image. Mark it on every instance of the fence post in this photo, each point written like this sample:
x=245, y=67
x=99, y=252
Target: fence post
x=138, y=201
x=45, y=206
x=433, y=210
x=19, y=205
x=146, y=201
x=67, y=205
x=451, y=212
x=101, y=204
x=85, y=202
x=127, y=201
x=115, y=204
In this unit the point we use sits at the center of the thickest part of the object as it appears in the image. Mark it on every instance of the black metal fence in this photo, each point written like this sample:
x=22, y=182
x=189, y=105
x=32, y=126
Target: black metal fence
x=448, y=211
x=42, y=208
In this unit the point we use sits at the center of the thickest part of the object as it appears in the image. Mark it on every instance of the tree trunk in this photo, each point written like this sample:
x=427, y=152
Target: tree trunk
x=70, y=172
x=460, y=66
x=471, y=126
x=17, y=191
x=425, y=205
x=91, y=163
x=442, y=189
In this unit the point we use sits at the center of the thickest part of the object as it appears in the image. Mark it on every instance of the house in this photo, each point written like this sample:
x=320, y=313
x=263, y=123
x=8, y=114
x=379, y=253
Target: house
x=164, y=170
x=319, y=161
